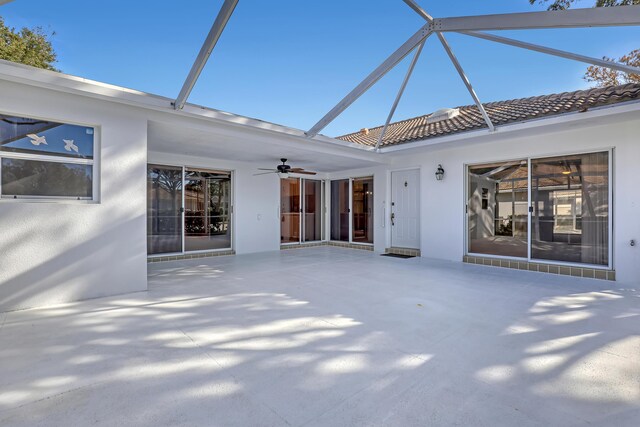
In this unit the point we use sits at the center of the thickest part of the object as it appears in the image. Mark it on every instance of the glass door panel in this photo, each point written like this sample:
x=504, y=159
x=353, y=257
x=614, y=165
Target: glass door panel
x=207, y=206
x=340, y=210
x=362, y=210
x=290, y=210
x=498, y=212
x=164, y=202
x=570, y=199
x=323, y=211
x=312, y=210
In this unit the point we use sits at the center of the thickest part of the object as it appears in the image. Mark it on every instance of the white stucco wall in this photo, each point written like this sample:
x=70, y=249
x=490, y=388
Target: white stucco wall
x=443, y=202
x=54, y=252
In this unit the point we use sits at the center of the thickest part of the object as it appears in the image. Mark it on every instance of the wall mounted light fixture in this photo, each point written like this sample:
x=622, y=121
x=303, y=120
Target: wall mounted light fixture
x=439, y=173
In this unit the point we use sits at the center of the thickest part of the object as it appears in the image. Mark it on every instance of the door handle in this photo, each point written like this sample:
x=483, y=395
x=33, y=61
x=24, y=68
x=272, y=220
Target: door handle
x=393, y=216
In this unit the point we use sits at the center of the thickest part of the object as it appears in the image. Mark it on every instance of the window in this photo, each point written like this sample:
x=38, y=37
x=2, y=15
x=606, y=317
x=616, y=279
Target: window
x=563, y=201
x=43, y=159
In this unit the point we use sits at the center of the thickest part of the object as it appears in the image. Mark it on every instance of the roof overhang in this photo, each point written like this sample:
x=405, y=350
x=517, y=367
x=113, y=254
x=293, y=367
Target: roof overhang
x=66, y=83
x=592, y=117
x=197, y=115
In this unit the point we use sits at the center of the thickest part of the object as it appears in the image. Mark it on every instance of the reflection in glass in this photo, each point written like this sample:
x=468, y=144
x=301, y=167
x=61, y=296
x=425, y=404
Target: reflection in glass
x=290, y=210
x=164, y=200
x=363, y=210
x=340, y=210
x=33, y=136
x=207, y=210
x=498, y=209
x=570, y=196
x=323, y=212
x=312, y=210
x=34, y=178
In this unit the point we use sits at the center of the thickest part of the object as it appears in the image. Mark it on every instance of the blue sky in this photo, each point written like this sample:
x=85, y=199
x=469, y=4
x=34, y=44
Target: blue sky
x=290, y=61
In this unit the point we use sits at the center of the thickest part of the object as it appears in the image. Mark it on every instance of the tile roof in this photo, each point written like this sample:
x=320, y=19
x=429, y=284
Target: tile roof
x=500, y=113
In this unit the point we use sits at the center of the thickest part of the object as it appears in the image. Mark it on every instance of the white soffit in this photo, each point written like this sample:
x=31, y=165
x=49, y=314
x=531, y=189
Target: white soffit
x=236, y=145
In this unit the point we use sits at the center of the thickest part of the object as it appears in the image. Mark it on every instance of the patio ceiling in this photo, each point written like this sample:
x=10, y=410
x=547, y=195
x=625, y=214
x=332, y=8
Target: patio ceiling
x=249, y=146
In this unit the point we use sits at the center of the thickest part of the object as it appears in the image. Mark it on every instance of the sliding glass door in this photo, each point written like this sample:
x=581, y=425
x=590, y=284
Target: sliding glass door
x=362, y=196
x=570, y=219
x=564, y=201
x=313, y=210
x=352, y=210
x=340, y=210
x=207, y=217
x=498, y=208
x=187, y=209
x=290, y=210
x=164, y=204
x=301, y=210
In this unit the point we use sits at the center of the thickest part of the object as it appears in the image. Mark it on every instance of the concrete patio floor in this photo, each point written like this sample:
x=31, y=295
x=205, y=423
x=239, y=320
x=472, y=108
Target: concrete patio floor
x=327, y=337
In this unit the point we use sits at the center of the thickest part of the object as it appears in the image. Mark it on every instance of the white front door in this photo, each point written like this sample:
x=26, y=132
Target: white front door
x=405, y=209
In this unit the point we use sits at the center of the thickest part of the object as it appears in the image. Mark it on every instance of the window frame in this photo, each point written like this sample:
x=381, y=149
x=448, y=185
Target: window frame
x=610, y=152
x=350, y=179
x=93, y=162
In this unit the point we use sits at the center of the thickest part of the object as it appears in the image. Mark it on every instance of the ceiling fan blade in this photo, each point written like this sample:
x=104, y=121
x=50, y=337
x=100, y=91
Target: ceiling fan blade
x=263, y=169
x=303, y=172
x=264, y=173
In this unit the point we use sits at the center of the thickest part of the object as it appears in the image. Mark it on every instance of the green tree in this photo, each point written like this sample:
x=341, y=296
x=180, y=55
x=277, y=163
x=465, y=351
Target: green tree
x=602, y=76
x=29, y=46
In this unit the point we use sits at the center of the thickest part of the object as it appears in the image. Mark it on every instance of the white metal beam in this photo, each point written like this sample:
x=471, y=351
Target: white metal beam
x=555, y=52
x=397, y=56
x=418, y=9
x=466, y=81
x=209, y=44
x=572, y=18
x=400, y=92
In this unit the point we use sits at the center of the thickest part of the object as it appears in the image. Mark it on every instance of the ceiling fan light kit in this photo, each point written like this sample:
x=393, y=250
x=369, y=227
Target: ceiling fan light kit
x=284, y=170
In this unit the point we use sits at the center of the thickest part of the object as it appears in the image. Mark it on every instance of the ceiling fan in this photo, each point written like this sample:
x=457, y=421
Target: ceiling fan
x=284, y=170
